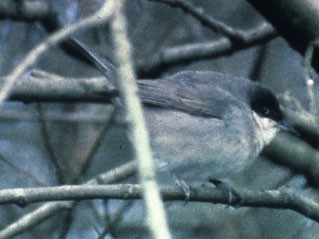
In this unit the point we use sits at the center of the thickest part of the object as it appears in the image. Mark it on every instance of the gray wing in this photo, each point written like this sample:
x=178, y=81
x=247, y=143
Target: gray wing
x=194, y=92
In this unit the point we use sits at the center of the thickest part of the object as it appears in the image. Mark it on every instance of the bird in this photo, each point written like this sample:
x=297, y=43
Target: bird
x=203, y=124
x=206, y=124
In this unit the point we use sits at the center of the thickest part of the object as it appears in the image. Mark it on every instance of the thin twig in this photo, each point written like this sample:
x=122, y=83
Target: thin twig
x=49, y=147
x=310, y=84
x=99, y=138
x=99, y=17
x=88, y=159
x=155, y=213
x=22, y=171
x=202, y=50
x=112, y=222
x=198, y=12
x=49, y=209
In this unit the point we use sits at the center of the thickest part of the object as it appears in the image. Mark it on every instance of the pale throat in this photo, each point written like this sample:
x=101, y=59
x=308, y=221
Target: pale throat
x=266, y=129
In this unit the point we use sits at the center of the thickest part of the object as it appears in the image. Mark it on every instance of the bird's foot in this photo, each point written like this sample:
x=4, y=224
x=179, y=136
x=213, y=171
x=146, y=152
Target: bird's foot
x=185, y=188
x=232, y=195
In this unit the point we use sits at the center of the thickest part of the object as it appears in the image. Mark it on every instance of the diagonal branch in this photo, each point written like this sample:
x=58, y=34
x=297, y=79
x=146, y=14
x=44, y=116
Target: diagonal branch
x=99, y=17
x=235, y=35
x=199, y=51
x=49, y=209
x=297, y=21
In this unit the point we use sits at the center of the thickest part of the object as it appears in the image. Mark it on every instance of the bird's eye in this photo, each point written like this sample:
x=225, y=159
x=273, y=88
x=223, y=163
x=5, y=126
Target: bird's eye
x=265, y=110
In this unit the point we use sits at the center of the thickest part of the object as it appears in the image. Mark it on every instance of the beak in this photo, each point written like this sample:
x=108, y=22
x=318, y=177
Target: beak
x=282, y=126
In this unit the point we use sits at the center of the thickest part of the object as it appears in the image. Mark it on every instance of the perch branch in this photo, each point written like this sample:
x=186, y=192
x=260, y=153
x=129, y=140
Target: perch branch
x=47, y=210
x=279, y=199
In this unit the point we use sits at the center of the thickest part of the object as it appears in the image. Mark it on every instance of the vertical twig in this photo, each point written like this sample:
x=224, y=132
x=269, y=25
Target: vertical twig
x=49, y=147
x=138, y=134
x=309, y=80
x=97, y=143
x=310, y=84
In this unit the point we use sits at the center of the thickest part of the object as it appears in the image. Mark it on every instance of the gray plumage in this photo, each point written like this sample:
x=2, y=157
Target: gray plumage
x=201, y=123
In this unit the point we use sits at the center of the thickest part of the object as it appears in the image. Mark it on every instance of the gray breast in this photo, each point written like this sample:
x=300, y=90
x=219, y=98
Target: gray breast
x=194, y=148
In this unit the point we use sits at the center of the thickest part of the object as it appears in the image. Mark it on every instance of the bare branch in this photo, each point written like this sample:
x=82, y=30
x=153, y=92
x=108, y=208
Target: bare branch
x=310, y=85
x=33, y=218
x=279, y=199
x=47, y=87
x=238, y=36
x=203, y=50
x=297, y=21
x=49, y=209
x=99, y=17
x=296, y=154
x=22, y=171
x=303, y=120
x=49, y=147
x=65, y=117
x=137, y=132
x=25, y=10
x=97, y=142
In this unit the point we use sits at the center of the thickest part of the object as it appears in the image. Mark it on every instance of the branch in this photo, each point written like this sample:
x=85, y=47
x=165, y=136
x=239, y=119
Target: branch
x=99, y=17
x=43, y=11
x=279, y=199
x=300, y=118
x=49, y=209
x=40, y=86
x=33, y=219
x=297, y=21
x=199, y=51
x=80, y=116
x=137, y=131
x=238, y=36
x=296, y=154
x=86, y=165
x=26, y=10
x=238, y=39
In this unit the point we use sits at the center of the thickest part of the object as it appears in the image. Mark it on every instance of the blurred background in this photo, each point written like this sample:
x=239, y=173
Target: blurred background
x=46, y=144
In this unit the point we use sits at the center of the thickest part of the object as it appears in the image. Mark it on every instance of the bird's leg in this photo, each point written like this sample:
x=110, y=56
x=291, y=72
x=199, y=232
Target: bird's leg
x=184, y=186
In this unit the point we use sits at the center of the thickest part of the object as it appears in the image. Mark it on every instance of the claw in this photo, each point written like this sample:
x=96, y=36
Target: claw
x=185, y=187
x=232, y=195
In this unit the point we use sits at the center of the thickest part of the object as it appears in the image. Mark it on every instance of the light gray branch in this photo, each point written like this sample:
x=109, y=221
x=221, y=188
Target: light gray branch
x=137, y=131
x=40, y=86
x=100, y=16
x=49, y=209
x=279, y=199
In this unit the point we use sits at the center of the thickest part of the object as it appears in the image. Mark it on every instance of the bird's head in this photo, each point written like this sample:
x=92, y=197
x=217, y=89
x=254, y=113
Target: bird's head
x=267, y=113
